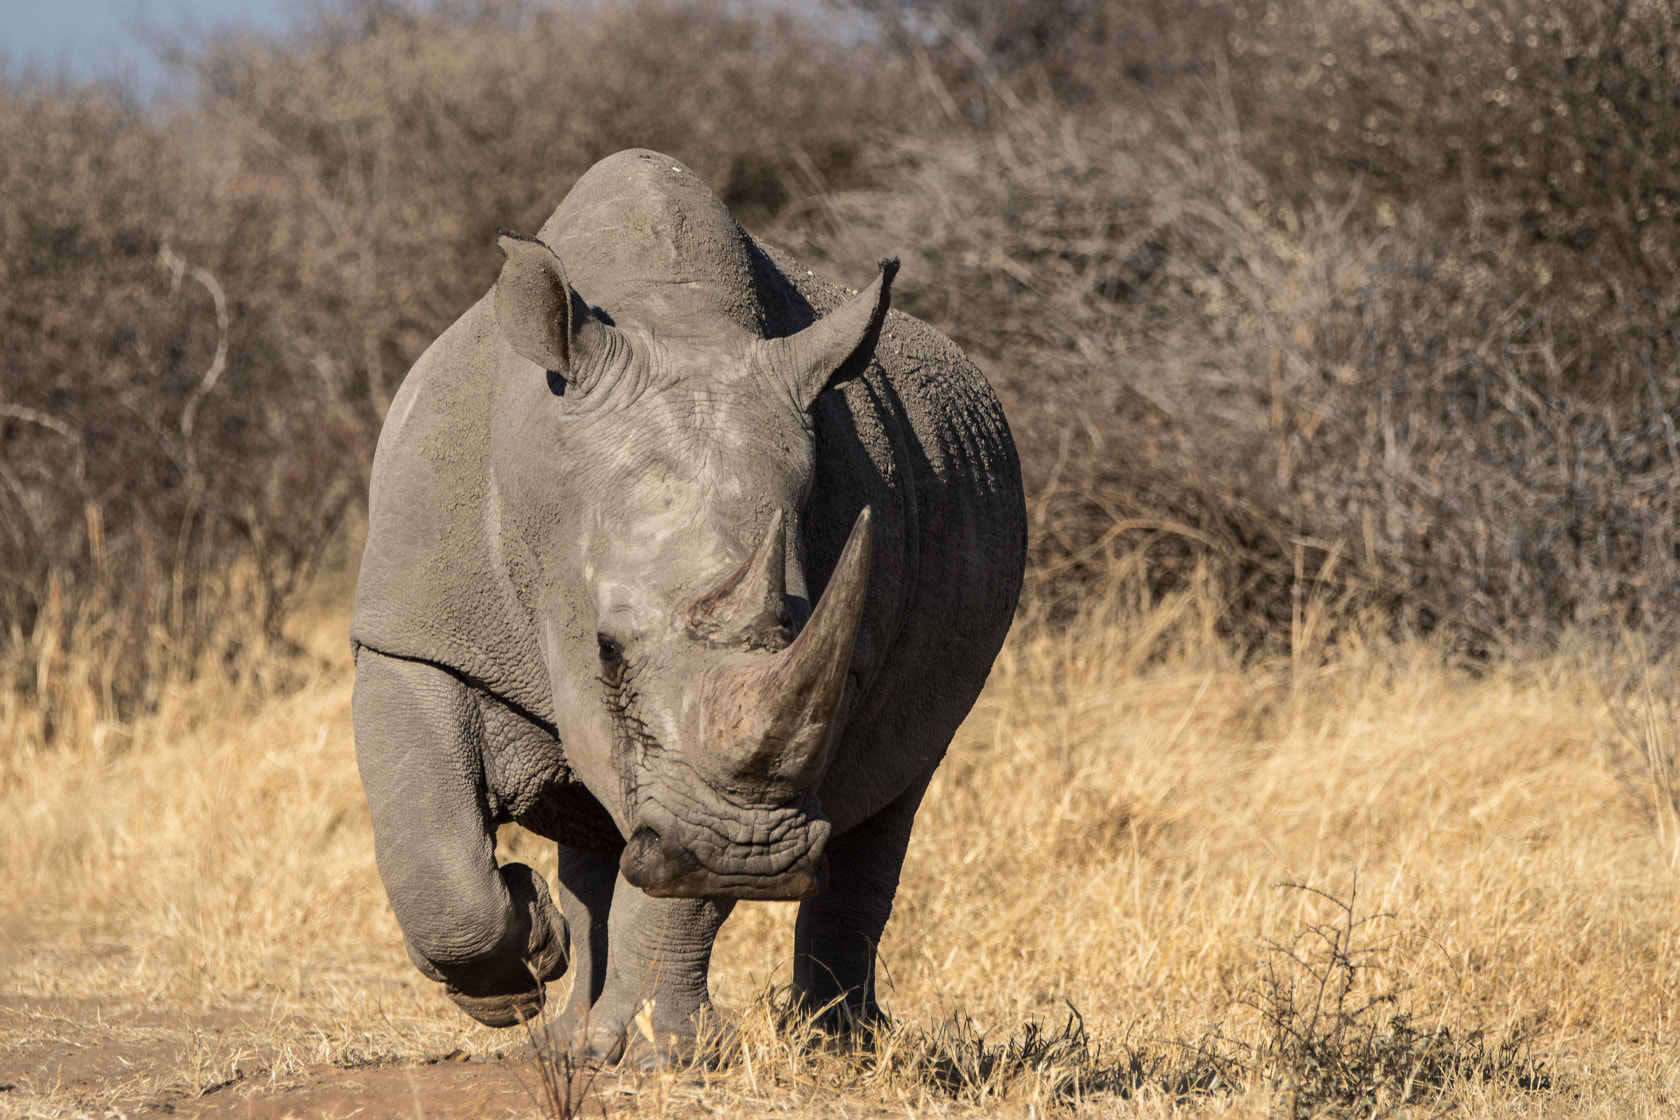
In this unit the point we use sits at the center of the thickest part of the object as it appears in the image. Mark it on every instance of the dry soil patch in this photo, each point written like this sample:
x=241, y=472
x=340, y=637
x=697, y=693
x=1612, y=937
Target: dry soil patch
x=103, y=1058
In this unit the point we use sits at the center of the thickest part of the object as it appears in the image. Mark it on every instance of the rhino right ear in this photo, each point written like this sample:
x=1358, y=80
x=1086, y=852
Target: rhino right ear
x=837, y=347
x=540, y=315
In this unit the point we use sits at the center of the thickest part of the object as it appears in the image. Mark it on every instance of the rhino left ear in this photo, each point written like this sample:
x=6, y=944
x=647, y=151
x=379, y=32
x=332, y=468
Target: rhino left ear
x=836, y=348
x=540, y=315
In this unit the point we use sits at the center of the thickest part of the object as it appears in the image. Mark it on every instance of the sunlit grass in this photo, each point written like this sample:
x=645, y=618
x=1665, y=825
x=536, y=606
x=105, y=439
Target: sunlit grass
x=1120, y=833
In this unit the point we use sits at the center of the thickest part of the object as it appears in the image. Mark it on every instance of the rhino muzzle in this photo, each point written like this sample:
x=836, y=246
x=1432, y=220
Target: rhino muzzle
x=767, y=855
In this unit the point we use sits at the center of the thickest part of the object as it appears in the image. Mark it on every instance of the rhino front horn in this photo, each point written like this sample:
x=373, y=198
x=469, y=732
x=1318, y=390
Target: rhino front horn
x=772, y=722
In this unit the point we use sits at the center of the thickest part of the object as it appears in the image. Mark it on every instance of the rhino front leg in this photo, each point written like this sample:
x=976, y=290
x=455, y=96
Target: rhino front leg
x=659, y=952
x=838, y=931
x=490, y=934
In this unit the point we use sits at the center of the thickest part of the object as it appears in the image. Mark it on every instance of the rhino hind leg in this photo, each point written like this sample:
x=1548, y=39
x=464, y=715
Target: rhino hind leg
x=586, y=881
x=838, y=932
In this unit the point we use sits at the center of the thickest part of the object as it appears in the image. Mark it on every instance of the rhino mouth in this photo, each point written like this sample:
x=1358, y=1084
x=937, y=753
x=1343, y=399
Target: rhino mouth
x=688, y=846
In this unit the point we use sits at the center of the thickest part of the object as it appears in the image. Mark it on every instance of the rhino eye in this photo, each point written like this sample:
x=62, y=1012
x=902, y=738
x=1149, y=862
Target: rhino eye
x=612, y=654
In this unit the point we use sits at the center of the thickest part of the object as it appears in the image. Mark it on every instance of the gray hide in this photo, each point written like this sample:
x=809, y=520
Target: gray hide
x=604, y=596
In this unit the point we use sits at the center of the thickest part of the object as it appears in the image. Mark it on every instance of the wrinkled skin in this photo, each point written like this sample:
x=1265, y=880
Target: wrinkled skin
x=685, y=562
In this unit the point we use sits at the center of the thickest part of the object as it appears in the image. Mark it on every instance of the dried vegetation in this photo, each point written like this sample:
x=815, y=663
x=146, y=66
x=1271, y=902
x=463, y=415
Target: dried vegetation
x=1339, y=342
x=1378, y=292
x=1375, y=296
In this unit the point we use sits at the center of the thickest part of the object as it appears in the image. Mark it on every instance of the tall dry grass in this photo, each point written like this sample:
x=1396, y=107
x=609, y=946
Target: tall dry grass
x=1139, y=822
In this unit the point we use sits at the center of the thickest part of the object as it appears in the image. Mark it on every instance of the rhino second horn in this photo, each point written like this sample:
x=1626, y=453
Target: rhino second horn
x=750, y=604
x=771, y=724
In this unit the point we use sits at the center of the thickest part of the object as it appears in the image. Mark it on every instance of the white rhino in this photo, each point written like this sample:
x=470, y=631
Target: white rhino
x=603, y=505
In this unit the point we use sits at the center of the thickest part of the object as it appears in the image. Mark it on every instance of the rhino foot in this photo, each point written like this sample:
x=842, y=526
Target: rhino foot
x=510, y=991
x=647, y=1002
x=647, y=1040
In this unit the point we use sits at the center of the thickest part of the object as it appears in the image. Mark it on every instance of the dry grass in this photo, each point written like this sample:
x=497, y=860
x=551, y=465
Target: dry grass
x=1114, y=832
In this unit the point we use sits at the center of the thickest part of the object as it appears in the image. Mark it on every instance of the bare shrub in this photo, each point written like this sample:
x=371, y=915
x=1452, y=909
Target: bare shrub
x=208, y=309
x=424, y=131
x=1358, y=296
x=980, y=61
x=1335, y=1040
x=1518, y=147
x=1371, y=302
x=1153, y=332
x=168, y=479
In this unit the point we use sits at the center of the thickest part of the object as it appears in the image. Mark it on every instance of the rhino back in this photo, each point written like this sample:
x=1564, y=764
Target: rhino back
x=922, y=439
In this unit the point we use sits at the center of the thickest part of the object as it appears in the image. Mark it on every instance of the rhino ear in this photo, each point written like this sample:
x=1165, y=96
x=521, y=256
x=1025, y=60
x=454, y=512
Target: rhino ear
x=836, y=348
x=540, y=315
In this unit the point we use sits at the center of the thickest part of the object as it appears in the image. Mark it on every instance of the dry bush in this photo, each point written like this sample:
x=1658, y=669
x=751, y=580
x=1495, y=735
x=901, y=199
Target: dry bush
x=979, y=61
x=1364, y=301
x=1555, y=116
x=420, y=132
x=1155, y=336
x=168, y=477
x=208, y=309
x=1522, y=147
x=1373, y=293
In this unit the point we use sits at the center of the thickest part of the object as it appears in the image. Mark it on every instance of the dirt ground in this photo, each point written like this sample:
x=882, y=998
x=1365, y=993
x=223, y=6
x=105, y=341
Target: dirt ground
x=127, y=1056
x=90, y=1057
x=131, y=1056
x=114, y=1059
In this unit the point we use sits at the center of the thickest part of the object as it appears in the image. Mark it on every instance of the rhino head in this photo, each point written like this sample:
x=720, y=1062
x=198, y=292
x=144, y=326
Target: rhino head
x=659, y=478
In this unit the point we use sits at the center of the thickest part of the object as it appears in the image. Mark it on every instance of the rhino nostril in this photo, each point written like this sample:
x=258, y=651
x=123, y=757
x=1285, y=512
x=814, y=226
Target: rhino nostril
x=649, y=862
